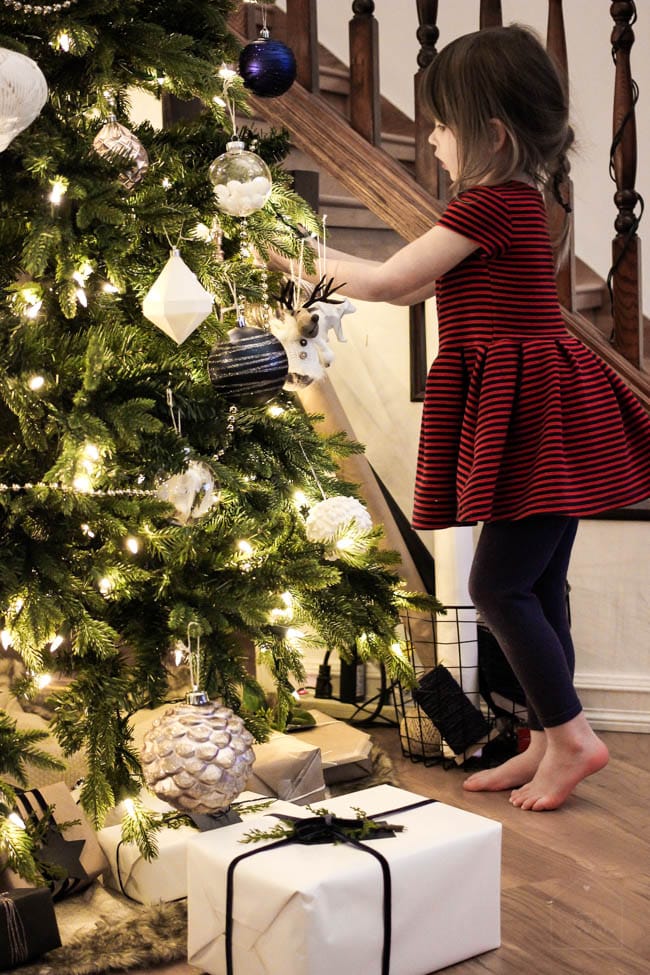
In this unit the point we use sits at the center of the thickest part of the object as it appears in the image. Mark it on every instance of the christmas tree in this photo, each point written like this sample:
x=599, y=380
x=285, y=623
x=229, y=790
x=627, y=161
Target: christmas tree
x=140, y=500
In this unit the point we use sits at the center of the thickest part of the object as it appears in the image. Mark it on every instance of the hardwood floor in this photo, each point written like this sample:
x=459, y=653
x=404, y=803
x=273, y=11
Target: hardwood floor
x=575, y=882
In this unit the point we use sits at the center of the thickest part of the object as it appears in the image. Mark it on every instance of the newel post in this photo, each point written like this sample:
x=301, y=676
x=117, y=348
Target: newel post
x=625, y=276
x=364, y=72
x=490, y=14
x=302, y=38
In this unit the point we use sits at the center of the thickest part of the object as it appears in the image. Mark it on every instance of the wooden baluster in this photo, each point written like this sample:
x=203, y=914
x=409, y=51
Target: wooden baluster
x=490, y=15
x=427, y=170
x=566, y=275
x=302, y=38
x=364, y=72
x=626, y=247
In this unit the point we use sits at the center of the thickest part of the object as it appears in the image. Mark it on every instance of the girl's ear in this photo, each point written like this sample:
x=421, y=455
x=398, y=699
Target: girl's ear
x=499, y=134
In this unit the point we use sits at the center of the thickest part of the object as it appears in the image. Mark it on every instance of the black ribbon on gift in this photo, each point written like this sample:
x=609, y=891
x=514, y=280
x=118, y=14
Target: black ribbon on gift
x=328, y=829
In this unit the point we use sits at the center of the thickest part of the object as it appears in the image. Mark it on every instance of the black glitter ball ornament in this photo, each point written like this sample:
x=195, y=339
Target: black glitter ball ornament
x=267, y=67
x=249, y=367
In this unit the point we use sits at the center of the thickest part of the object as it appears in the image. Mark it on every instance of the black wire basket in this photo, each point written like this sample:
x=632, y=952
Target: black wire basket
x=467, y=708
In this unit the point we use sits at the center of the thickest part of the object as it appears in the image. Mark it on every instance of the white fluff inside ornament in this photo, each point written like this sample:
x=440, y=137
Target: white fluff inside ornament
x=197, y=757
x=192, y=493
x=328, y=518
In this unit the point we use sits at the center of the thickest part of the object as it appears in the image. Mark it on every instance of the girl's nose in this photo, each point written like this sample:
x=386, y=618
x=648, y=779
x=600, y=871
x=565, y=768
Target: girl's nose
x=432, y=137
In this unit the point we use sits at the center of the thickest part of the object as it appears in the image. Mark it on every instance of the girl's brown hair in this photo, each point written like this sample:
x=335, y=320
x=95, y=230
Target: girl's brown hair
x=502, y=73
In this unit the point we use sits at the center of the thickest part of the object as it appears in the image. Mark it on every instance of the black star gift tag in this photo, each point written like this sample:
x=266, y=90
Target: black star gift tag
x=60, y=860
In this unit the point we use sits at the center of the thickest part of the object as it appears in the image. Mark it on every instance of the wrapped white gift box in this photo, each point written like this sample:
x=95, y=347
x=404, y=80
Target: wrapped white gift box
x=165, y=877
x=314, y=910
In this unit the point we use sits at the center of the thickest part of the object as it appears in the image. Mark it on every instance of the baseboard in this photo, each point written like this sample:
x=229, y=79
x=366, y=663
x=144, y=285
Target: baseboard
x=616, y=702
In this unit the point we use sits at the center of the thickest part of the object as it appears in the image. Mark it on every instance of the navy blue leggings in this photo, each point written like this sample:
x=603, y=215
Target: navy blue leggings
x=518, y=585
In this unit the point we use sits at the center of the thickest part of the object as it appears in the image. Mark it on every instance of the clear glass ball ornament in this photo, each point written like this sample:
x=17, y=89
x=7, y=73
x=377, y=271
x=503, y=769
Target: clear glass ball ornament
x=241, y=180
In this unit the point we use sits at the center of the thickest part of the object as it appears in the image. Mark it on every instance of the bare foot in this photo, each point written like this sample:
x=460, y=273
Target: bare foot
x=573, y=753
x=516, y=771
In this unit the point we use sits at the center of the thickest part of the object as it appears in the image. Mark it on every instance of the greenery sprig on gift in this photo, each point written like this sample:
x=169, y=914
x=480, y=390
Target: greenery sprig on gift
x=323, y=827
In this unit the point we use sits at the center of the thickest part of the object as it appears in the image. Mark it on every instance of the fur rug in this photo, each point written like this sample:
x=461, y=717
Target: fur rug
x=103, y=932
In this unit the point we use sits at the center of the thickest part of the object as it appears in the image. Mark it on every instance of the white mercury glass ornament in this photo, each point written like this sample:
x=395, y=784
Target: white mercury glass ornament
x=241, y=179
x=192, y=493
x=114, y=139
x=197, y=756
x=329, y=517
x=177, y=302
x=23, y=92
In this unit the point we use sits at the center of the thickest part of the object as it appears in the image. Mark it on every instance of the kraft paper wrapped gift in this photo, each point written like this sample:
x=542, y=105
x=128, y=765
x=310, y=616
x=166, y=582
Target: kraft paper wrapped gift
x=75, y=851
x=165, y=877
x=288, y=767
x=314, y=910
x=345, y=751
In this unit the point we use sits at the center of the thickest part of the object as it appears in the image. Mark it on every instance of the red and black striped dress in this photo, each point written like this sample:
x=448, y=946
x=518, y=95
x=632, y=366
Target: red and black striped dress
x=519, y=417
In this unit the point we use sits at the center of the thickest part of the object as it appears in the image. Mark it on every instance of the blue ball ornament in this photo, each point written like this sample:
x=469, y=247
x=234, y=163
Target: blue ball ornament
x=268, y=67
x=249, y=367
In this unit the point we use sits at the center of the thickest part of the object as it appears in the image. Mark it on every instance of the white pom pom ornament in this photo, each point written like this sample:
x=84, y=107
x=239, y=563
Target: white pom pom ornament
x=328, y=518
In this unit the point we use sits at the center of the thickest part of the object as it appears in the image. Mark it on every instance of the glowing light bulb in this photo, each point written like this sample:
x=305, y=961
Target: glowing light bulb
x=58, y=191
x=129, y=807
x=42, y=680
x=82, y=297
x=300, y=499
x=87, y=530
x=397, y=650
x=14, y=818
x=56, y=643
x=345, y=544
x=166, y=183
x=82, y=483
x=33, y=309
x=218, y=100
x=133, y=544
x=245, y=547
x=6, y=639
x=63, y=41
x=294, y=634
x=36, y=382
x=287, y=599
x=17, y=605
x=226, y=73
x=105, y=585
x=275, y=411
x=91, y=451
x=179, y=655
x=110, y=288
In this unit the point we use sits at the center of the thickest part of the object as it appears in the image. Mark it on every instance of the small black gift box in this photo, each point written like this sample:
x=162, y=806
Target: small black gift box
x=28, y=926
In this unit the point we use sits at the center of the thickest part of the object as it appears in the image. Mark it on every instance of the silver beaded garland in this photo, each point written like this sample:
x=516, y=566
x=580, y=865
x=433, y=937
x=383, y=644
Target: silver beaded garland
x=40, y=10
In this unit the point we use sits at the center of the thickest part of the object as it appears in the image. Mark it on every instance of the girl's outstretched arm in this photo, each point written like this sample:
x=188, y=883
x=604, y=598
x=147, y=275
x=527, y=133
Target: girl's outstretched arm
x=408, y=276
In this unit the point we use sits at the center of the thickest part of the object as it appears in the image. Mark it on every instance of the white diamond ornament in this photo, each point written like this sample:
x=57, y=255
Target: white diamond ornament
x=177, y=302
x=23, y=92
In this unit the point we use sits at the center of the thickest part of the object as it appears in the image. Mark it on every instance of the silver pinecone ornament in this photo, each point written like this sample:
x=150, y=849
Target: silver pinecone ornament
x=197, y=757
x=115, y=139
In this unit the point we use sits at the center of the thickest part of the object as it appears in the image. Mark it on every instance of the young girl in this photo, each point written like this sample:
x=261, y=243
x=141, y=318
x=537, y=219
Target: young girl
x=523, y=428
